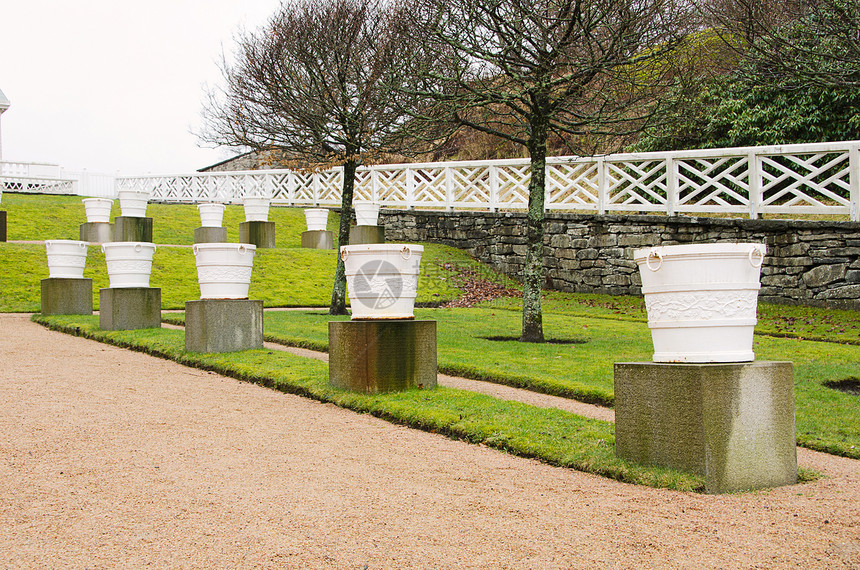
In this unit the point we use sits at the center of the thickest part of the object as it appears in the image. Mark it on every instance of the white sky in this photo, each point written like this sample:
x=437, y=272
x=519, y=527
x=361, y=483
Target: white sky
x=112, y=85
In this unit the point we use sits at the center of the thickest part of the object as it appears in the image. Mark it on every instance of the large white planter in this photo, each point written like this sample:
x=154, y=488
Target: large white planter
x=316, y=219
x=132, y=203
x=66, y=258
x=224, y=269
x=256, y=209
x=382, y=279
x=701, y=300
x=211, y=214
x=97, y=209
x=366, y=213
x=129, y=263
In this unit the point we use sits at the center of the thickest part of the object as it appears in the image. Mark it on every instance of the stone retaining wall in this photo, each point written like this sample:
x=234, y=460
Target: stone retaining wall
x=807, y=263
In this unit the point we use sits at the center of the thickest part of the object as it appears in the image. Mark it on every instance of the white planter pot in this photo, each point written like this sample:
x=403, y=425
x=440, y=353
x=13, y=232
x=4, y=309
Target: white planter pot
x=366, y=213
x=66, y=258
x=256, y=209
x=224, y=269
x=129, y=263
x=382, y=279
x=97, y=209
x=133, y=203
x=211, y=215
x=701, y=300
x=316, y=219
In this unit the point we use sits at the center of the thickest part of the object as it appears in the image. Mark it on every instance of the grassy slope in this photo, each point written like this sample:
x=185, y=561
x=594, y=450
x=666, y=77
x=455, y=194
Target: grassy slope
x=284, y=276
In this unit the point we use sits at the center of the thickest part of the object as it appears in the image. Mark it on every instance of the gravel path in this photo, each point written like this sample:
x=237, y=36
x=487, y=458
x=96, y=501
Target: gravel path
x=110, y=458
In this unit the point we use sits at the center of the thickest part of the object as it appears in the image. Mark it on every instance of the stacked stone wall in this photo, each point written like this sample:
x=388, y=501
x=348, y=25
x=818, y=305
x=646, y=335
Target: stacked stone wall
x=807, y=263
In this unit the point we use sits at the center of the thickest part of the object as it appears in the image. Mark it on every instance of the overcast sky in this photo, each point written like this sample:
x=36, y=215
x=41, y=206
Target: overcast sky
x=109, y=85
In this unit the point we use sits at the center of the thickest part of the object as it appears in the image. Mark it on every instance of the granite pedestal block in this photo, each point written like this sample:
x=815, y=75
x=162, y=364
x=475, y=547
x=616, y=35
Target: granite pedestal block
x=210, y=235
x=223, y=325
x=366, y=234
x=97, y=232
x=123, y=309
x=128, y=228
x=261, y=234
x=317, y=239
x=67, y=296
x=2, y=225
x=733, y=423
x=382, y=356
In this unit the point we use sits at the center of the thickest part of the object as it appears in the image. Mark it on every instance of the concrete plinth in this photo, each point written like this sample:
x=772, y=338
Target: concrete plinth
x=62, y=296
x=128, y=228
x=382, y=356
x=317, y=239
x=366, y=234
x=210, y=235
x=2, y=225
x=261, y=234
x=223, y=325
x=732, y=423
x=97, y=232
x=123, y=309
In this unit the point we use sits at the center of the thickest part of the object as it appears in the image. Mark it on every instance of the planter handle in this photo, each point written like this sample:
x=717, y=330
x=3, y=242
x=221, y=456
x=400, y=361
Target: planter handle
x=137, y=248
x=658, y=255
x=405, y=253
x=242, y=249
x=344, y=254
x=83, y=245
x=194, y=249
x=760, y=257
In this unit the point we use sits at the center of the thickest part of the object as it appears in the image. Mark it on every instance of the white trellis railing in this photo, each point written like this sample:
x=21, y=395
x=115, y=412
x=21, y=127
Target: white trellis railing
x=822, y=178
x=44, y=178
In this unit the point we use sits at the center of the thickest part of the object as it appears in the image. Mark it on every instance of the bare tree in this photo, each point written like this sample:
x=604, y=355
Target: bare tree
x=526, y=70
x=313, y=85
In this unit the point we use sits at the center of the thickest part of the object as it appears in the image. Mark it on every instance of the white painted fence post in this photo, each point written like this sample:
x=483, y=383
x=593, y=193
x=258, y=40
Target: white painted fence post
x=315, y=185
x=854, y=181
x=494, y=188
x=449, y=189
x=410, y=189
x=602, y=186
x=754, y=166
x=671, y=185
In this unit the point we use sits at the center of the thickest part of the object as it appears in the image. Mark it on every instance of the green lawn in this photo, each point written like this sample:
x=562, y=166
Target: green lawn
x=599, y=329
x=827, y=419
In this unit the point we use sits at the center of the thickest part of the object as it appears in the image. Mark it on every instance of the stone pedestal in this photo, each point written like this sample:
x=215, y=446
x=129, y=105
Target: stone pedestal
x=261, y=234
x=366, y=234
x=2, y=225
x=127, y=228
x=66, y=296
x=317, y=239
x=122, y=309
x=97, y=232
x=210, y=235
x=382, y=356
x=732, y=422
x=223, y=325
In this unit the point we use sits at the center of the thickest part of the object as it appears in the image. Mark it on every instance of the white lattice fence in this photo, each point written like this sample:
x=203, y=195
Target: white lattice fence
x=803, y=179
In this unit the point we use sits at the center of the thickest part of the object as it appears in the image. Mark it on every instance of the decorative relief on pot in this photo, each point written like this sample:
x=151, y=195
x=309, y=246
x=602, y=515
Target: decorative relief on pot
x=224, y=273
x=130, y=265
x=700, y=305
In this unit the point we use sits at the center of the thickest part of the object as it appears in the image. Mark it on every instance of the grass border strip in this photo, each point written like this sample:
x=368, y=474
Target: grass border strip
x=466, y=427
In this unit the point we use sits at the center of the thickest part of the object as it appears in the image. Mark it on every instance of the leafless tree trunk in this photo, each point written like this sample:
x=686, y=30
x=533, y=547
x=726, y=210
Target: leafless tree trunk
x=527, y=70
x=313, y=86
